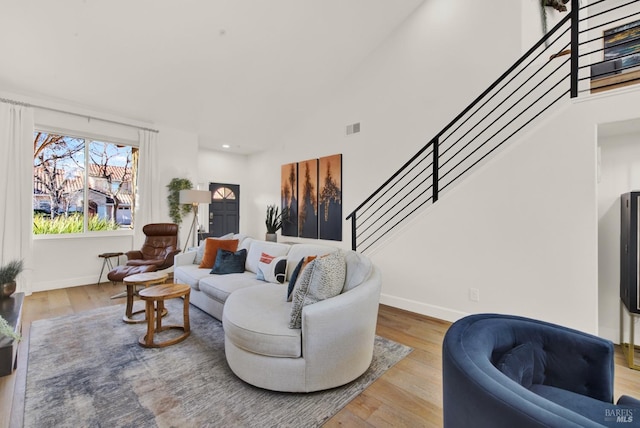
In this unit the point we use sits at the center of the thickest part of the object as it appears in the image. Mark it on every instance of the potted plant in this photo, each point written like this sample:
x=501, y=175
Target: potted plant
x=7, y=330
x=176, y=209
x=8, y=274
x=558, y=5
x=274, y=221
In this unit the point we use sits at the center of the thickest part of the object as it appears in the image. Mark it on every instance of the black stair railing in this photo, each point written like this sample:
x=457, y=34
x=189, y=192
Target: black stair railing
x=551, y=70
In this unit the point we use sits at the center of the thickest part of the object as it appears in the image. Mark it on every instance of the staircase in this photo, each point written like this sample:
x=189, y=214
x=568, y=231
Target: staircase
x=566, y=63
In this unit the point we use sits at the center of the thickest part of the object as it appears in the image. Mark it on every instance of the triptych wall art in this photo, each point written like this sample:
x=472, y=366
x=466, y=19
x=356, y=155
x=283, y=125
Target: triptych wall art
x=312, y=191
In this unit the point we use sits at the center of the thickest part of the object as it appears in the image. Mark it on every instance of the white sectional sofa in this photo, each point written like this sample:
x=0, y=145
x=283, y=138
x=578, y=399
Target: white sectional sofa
x=334, y=344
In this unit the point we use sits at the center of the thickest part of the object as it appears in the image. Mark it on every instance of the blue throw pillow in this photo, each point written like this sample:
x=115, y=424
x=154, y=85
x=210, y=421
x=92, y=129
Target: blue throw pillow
x=229, y=262
x=517, y=364
x=294, y=277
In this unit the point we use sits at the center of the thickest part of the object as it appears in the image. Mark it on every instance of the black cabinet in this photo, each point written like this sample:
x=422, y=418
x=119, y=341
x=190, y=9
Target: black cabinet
x=629, y=242
x=11, y=310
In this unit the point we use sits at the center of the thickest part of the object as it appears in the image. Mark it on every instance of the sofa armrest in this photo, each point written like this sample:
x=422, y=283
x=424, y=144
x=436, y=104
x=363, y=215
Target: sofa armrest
x=579, y=362
x=182, y=259
x=340, y=329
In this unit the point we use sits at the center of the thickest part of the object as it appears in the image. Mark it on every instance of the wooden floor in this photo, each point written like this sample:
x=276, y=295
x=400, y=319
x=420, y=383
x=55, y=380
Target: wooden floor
x=409, y=394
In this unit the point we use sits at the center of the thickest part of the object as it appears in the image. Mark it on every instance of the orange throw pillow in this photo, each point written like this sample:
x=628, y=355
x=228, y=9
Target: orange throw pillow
x=211, y=247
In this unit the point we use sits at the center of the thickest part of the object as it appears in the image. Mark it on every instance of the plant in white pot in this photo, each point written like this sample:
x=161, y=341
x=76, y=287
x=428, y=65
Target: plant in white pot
x=274, y=220
x=8, y=274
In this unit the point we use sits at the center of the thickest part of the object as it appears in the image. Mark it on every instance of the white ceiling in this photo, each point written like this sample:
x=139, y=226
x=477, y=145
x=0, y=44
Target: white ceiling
x=232, y=71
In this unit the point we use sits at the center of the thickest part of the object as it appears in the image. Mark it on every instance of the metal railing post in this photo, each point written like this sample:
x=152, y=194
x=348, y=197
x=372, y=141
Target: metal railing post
x=354, y=245
x=436, y=144
x=575, y=8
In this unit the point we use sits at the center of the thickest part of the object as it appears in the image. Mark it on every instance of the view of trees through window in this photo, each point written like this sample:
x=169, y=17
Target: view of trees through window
x=80, y=184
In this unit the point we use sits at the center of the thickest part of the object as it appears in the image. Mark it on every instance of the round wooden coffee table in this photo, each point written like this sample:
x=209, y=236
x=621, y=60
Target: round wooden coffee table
x=140, y=279
x=154, y=298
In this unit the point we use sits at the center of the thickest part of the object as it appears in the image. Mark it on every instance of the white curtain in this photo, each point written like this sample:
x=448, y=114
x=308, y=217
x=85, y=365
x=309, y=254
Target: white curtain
x=148, y=206
x=16, y=188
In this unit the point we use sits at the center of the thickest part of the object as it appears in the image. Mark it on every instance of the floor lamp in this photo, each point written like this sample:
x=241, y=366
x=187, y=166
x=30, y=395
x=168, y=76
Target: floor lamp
x=195, y=198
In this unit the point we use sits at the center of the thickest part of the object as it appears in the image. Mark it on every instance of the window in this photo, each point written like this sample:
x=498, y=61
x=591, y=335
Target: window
x=223, y=193
x=81, y=184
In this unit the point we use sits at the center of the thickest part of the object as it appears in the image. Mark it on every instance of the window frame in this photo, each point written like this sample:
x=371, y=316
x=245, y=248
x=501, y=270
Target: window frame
x=88, y=137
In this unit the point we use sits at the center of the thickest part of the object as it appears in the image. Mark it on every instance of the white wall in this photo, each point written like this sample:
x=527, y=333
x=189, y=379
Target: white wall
x=220, y=167
x=619, y=173
x=523, y=229
x=402, y=94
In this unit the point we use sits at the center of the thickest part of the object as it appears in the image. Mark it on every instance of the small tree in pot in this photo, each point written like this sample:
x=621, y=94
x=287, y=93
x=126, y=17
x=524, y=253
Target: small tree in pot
x=8, y=274
x=274, y=221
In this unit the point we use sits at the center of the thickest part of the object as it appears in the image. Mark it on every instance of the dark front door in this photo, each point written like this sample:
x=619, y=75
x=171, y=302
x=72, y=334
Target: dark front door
x=224, y=210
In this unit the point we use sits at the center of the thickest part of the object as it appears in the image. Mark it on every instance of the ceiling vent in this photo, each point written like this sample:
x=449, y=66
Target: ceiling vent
x=353, y=128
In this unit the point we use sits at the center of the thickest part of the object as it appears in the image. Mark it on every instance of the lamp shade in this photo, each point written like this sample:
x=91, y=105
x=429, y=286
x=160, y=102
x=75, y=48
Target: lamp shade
x=195, y=197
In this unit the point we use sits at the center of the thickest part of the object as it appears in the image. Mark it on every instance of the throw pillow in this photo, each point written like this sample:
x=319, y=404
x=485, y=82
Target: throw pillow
x=211, y=248
x=296, y=272
x=279, y=272
x=200, y=251
x=322, y=279
x=517, y=364
x=272, y=269
x=229, y=262
x=263, y=265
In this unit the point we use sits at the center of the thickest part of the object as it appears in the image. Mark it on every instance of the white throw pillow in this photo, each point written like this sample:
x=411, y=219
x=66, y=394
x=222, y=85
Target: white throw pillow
x=273, y=271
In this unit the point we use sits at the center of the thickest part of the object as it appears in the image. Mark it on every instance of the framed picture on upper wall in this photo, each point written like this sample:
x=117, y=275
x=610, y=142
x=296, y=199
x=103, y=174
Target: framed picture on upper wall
x=308, y=199
x=289, y=198
x=623, y=42
x=330, y=197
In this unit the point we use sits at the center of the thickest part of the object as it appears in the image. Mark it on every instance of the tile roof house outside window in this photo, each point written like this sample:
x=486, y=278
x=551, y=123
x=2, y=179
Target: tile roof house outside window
x=59, y=179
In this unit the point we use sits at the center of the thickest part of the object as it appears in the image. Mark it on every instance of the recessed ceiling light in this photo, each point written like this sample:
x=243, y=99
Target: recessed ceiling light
x=226, y=146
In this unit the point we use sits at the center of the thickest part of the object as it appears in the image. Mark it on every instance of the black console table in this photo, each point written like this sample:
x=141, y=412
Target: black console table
x=11, y=310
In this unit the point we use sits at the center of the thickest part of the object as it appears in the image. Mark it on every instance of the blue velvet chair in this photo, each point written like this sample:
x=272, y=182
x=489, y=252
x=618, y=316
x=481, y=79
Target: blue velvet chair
x=508, y=371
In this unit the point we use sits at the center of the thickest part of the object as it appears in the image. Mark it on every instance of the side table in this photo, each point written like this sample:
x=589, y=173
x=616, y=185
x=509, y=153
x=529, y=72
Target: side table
x=106, y=261
x=140, y=279
x=155, y=296
x=11, y=311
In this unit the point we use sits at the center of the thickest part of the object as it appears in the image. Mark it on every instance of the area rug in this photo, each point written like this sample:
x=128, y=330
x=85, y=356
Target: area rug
x=87, y=370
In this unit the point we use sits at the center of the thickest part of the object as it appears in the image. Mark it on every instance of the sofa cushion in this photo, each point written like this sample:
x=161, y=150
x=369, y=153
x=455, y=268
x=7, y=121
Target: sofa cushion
x=595, y=410
x=517, y=364
x=228, y=262
x=258, y=247
x=211, y=247
x=200, y=251
x=358, y=269
x=257, y=321
x=219, y=287
x=190, y=275
x=298, y=251
x=321, y=279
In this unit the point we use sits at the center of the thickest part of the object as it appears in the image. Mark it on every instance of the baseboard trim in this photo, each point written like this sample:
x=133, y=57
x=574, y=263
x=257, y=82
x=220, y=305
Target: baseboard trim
x=422, y=308
x=65, y=283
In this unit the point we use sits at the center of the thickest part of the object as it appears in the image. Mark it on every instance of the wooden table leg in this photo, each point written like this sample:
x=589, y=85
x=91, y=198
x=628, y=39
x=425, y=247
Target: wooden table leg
x=160, y=309
x=129, y=310
x=151, y=312
x=185, y=314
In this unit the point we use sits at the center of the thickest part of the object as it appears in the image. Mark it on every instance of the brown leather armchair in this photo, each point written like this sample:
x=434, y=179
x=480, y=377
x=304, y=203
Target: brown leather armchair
x=159, y=248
